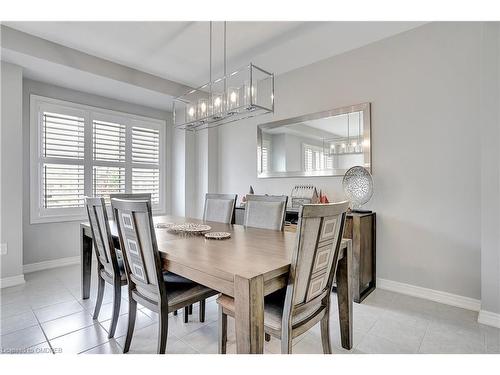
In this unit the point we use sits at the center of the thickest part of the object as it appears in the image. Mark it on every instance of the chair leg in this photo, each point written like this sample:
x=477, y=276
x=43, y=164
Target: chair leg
x=325, y=334
x=286, y=342
x=116, y=308
x=186, y=313
x=190, y=309
x=175, y=312
x=162, y=332
x=100, y=295
x=267, y=337
x=132, y=310
x=202, y=311
x=222, y=331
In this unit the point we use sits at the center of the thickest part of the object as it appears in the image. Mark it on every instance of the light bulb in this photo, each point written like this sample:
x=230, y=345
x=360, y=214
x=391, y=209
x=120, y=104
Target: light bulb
x=191, y=111
x=232, y=97
x=217, y=102
x=202, y=108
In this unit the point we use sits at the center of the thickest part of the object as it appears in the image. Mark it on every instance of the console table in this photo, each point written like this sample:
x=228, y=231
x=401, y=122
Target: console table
x=361, y=229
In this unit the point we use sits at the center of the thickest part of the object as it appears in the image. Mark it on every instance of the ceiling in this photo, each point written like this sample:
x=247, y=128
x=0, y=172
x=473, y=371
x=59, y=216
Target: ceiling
x=179, y=51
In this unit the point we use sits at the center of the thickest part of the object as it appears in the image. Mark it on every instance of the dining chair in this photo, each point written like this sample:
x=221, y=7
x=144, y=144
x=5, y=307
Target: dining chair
x=147, y=283
x=109, y=264
x=265, y=211
x=219, y=207
x=131, y=196
x=172, y=277
x=305, y=301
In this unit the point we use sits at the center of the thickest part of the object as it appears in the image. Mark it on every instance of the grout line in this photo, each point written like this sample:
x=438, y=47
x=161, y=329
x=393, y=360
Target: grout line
x=43, y=331
x=188, y=344
x=423, y=337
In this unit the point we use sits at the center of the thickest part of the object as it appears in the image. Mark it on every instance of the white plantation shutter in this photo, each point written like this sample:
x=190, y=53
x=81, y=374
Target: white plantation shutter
x=328, y=162
x=63, y=186
x=147, y=181
x=109, y=140
x=308, y=159
x=62, y=180
x=80, y=151
x=108, y=180
x=146, y=162
x=145, y=145
x=317, y=160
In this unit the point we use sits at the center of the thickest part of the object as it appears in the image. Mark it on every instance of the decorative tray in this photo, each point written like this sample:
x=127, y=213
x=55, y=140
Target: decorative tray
x=217, y=235
x=191, y=228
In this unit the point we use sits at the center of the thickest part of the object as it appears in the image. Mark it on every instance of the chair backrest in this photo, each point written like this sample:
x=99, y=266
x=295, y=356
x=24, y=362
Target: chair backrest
x=103, y=242
x=265, y=211
x=315, y=256
x=142, y=261
x=131, y=196
x=219, y=207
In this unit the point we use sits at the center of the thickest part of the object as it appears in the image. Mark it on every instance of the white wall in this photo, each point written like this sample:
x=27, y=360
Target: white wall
x=424, y=89
x=51, y=241
x=490, y=171
x=11, y=149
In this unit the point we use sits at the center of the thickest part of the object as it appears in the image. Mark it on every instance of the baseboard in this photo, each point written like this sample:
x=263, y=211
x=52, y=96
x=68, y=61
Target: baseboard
x=61, y=262
x=430, y=294
x=11, y=281
x=489, y=318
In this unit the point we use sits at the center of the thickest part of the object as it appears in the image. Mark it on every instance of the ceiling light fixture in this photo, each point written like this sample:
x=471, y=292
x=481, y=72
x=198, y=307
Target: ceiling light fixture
x=244, y=93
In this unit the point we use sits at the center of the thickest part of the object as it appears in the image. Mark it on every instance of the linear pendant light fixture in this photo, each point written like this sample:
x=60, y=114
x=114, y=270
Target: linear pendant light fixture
x=243, y=93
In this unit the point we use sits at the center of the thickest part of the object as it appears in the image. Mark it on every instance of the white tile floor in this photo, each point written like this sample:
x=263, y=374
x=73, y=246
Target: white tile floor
x=47, y=315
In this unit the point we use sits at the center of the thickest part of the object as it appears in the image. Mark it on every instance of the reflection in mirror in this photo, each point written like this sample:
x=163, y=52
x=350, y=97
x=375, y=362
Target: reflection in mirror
x=321, y=144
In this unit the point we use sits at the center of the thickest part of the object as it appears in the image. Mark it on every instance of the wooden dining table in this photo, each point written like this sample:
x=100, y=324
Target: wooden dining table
x=248, y=266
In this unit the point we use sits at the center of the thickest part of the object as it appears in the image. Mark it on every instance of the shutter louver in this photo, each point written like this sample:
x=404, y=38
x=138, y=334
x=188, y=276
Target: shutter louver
x=63, y=148
x=108, y=180
x=145, y=146
x=109, y=155
x=62, y=136
x=62, y=185
x=109, y=141
x=146, y=162
x=146, y=181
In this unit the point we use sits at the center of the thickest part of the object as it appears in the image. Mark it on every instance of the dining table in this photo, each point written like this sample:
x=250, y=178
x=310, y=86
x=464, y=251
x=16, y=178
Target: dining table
x=249, y=265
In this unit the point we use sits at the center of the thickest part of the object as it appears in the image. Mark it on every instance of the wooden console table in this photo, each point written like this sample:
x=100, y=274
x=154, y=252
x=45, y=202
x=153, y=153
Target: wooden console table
x=361, y=229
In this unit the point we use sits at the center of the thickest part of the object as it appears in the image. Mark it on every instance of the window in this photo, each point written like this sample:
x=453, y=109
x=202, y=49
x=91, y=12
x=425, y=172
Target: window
x=315, y=158
x=80, y=151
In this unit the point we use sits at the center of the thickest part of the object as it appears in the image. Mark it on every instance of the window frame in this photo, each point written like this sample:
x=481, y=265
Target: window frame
x=39, y=104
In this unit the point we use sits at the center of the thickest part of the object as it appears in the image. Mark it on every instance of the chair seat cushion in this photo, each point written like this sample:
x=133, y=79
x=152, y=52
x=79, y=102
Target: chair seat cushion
x=179, y=290
x=170, y=277
x=273, y=309
x=178, y=294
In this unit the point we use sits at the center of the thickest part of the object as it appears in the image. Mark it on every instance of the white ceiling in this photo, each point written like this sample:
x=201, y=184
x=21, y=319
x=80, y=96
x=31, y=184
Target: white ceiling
x=179, y=51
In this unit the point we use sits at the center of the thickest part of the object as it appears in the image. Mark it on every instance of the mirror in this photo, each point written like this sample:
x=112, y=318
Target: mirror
x=320, y=144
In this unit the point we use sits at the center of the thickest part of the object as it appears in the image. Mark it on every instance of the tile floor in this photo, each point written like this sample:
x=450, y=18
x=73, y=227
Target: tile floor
x=46, y=315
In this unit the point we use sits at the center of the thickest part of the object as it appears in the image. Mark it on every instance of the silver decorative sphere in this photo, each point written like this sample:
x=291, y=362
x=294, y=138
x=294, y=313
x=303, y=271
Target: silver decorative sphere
x=358, y=186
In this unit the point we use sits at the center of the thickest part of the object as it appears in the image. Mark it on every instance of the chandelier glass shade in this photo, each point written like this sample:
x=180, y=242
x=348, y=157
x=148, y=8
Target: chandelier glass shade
x=243, y=93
